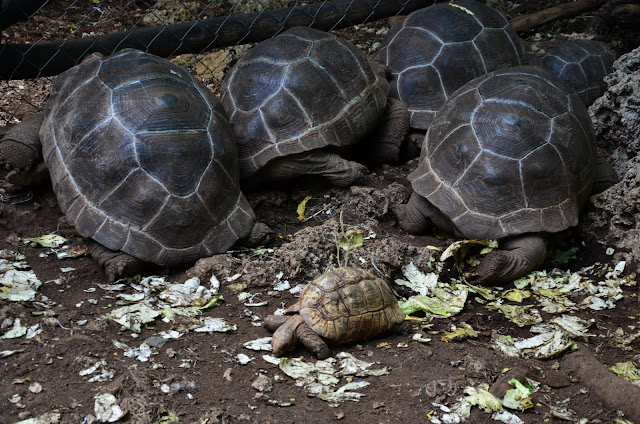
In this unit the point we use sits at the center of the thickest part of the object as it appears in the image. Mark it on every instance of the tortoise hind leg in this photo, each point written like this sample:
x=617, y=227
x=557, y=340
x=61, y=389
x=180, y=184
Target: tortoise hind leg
x=338, y=171
x=116, y=264
x=516, y=257
x=21, y=152
x=389, y=135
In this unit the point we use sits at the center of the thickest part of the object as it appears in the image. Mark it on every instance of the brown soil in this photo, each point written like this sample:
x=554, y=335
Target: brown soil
x=205, y=379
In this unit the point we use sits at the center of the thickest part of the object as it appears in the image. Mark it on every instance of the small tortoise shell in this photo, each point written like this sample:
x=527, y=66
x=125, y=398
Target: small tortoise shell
x=348, y=304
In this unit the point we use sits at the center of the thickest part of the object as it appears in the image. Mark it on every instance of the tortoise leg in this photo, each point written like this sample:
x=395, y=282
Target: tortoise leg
x=312, y=341
x=116, y=264
x=285, y=335
x=338, y=171
x=413, y=216
x=403, y=327
x=290, y=330
x=605, y=176
x=390, y=133
x=516, y=257
x=21, y=151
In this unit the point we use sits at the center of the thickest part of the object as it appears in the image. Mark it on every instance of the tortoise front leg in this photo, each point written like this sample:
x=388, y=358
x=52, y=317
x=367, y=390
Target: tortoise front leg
x=516, y=257
x=290, y=331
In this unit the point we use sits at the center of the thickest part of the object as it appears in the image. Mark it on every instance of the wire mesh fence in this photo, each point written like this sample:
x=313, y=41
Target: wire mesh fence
x=41, y=38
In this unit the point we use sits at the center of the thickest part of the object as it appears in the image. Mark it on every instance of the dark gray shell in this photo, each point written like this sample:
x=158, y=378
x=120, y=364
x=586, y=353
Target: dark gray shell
x=435, y=50
x=348, y=304
x=582, y=65
x=142, y=159
x=510, y=152
x=301, y=90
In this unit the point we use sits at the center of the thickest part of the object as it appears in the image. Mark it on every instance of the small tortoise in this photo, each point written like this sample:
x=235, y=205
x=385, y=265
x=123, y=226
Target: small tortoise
x=510, y=156
x=294, y=97
x=340, y=306
x=435, y=50
x=142, y=160
x=582, y=65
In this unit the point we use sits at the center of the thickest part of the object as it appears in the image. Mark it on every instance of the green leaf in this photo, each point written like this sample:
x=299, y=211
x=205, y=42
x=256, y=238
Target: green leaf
x=351, y=240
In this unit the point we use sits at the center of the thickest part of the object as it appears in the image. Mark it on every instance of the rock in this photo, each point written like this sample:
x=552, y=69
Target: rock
x=262, y=384
x=616, y=115
x=614, y=218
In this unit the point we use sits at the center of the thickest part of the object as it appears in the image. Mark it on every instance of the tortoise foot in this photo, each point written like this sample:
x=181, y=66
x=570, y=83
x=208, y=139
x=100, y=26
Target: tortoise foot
x=116, y=264
x=515, y=258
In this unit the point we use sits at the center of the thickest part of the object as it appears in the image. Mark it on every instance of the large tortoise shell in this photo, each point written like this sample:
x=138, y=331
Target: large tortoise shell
x=301, y=90
x=510, y=152
x=435, y=50
x=348, y=304
x=143, y=160
x=582, y=65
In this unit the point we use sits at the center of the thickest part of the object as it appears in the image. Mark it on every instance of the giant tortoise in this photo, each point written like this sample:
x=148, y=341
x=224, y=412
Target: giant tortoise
x=582, y=65
x=510, y=156
x=299, y=99
x=142, y=160
x=435, y=50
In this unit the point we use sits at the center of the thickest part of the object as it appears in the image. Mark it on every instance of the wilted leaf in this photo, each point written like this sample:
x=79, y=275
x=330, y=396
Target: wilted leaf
x=628, y=371
x=345, y=393
x=19, y=286
x=133, y=316
x=519, y=397
x=418, y=281
x=350, y=365
x=519, y=315
x=106, y=408
x=516, y=295
x=463, y=331
x=460, y=244
x=302, y=206
x=49, y=240
x=481, y=398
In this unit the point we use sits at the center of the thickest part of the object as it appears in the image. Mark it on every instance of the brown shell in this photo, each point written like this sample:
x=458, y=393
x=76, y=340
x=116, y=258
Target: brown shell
x=301, y=90
x=510, y=152
x=436, y=50
x=582, y=65
x=348, y=304
x=143, y=160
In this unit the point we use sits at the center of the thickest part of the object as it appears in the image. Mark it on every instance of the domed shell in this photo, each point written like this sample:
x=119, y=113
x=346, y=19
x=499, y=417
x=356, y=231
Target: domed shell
x=582, y=65
x=348, y=304
x=143, y=160
x=435, y=50
x=510, y=152
x=301, y=90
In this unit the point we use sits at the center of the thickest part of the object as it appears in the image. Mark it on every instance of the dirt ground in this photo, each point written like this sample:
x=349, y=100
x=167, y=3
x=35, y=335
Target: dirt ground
x=74, y=355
